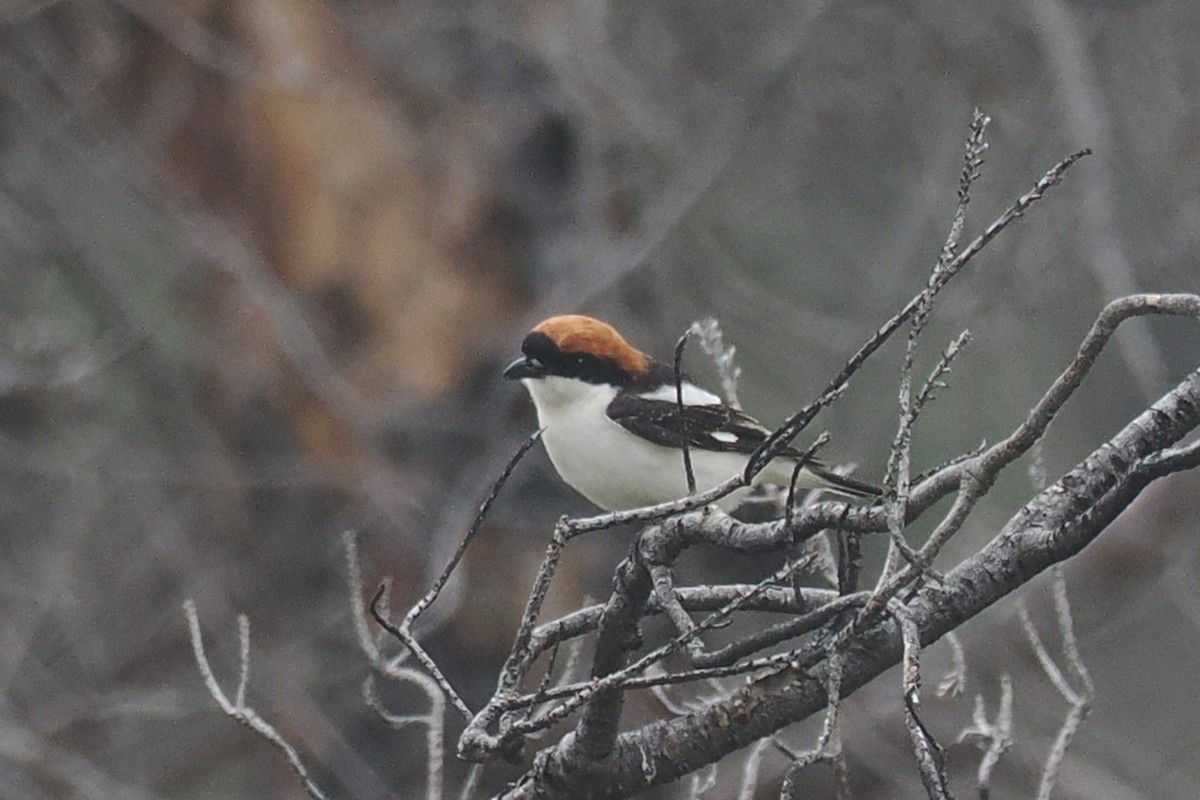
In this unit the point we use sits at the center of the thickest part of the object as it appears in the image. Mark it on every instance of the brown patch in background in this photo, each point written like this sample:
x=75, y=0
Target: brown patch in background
x=327, y=175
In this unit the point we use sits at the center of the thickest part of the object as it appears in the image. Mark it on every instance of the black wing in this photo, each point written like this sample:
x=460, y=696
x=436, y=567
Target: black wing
x=714, y=427
x=709, y=427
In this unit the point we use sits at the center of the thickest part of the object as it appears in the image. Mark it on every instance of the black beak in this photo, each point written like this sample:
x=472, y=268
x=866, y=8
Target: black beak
x=523, y=368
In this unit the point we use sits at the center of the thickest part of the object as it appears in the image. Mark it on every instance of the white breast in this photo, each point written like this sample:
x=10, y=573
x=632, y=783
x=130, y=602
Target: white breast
x=607, y=464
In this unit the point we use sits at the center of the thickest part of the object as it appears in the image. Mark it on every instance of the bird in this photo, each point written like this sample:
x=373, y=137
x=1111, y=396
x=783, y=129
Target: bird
x=612, y=426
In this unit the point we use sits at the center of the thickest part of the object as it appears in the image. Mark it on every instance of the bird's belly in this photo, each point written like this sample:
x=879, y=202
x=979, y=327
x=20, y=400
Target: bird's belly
x=617, y=470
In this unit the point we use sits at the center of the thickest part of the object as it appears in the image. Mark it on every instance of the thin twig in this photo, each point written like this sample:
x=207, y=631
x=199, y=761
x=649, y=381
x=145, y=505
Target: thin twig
x=970, y=491
x=931, y=760
x=1066, y=627
x=994, y=738
x=434, y=719
x=403, y=631
x=683, y=420
x=547, y=677
x=820, y=751
x=664, y=590
x=650, y=680
x=805, y=458
x=691, y=598
x=423, y=658
x=899, y=464
x=941, y=369
x=419, y=607
x=781, y=632
x=471, y=784
x=243, y=660
x=238, y=710
x=618, y=678
x=1079, y=699
x=779, y=440
x=750, y=768
x=518, y=660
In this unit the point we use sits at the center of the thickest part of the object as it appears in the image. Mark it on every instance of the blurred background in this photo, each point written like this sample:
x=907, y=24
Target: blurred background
x=261, y=262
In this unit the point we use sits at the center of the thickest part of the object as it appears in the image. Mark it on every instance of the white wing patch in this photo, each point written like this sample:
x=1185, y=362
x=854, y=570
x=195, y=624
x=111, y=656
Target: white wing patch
x=725, y=436
x=693, y=395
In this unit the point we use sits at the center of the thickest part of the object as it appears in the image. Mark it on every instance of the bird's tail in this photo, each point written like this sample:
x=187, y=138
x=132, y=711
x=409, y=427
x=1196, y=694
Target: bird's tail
x=844, y=484
x=815, y=475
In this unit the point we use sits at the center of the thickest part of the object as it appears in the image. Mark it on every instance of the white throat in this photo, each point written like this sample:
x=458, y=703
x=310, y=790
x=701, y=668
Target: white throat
x=566, y=401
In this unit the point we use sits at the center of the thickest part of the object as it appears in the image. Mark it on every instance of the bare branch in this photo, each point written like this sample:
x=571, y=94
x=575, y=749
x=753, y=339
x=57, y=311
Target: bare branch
x=424, y=659
x=911, y=607
x=713, y=343
x=1021, y=440
x=940, y=370
x=1173, y=413
x=1079, y=699
x=781, y=632
x=1066, y=627
x=975, y=475
x=899, y=466
x=789, y=508
x=683, y=420
x=994, y=738
x=434, y=718
x=820, y=751
x=898, y=471
x=471, y=784
x=691, y=598
x=238, y=710
x=403, y=632
x=518, y=661
x=954, y=682
x=931, y=760
x=243, y=659
x=1043, y=655
x=602, y=696
x=494, y=492
x=797, y=422
x=1053, y=526
x=750, y=769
